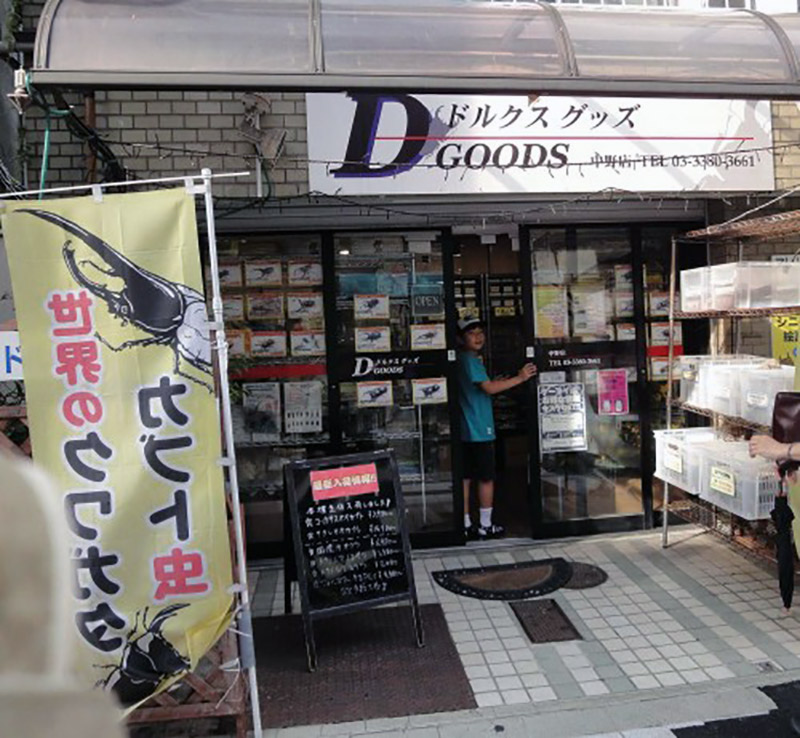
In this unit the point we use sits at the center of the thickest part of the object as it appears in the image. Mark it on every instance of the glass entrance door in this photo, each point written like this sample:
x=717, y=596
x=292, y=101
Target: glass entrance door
x=586, y=466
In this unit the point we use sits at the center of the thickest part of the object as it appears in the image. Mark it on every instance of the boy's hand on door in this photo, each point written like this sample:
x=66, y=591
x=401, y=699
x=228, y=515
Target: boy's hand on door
x=527, y=371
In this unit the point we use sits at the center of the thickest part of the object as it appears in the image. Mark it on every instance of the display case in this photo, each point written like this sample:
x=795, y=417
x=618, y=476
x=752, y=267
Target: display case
x=276, y=336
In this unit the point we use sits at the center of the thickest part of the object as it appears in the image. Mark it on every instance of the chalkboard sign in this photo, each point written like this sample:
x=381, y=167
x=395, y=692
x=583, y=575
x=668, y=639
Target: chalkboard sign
x=350, y=540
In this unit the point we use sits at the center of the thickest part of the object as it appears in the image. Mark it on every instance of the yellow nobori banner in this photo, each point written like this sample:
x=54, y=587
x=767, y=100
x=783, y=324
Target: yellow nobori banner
x=119, y=385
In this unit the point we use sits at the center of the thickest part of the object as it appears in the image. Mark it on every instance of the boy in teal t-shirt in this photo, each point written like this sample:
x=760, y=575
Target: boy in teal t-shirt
x=477, y=424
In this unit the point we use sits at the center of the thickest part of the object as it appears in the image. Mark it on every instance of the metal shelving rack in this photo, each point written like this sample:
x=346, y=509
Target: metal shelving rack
x=739, y=231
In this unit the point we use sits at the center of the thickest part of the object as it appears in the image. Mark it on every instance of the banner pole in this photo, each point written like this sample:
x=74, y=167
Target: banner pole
x=245, y=623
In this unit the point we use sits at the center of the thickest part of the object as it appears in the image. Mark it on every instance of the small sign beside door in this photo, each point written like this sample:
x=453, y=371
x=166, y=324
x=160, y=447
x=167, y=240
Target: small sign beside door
x=562, y=417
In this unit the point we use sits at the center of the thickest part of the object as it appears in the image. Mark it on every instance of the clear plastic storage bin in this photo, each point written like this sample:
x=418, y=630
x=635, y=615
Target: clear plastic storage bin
x=722, y=280
x=758, y=390
x=733, y=481
x=694, y=290
x=678, y=454
x=767, y=284
x=689, y=373
x=711, y=370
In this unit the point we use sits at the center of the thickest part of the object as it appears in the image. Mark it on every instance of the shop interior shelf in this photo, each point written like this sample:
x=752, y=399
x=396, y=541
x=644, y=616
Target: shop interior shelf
x=280, y=444
x=741, y=313
x=727, y=418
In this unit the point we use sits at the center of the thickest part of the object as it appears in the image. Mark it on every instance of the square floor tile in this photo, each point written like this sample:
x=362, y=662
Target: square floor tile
x=542, y=694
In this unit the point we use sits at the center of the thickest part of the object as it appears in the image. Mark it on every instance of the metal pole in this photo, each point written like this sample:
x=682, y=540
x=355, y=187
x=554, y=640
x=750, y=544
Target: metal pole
x=670, y=357
x=246, y=646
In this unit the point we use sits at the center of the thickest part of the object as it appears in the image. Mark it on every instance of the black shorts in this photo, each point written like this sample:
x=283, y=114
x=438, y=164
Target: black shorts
x=478, y=460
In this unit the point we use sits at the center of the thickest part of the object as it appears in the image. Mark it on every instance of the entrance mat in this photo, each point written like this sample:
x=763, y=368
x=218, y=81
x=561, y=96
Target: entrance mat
x=585, y=576
x=508, y=581
x=544, y=621
x=369, y=666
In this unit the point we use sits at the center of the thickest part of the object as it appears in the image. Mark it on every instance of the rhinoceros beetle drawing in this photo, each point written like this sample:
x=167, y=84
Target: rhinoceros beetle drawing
x=148, y=658
x=172, y=314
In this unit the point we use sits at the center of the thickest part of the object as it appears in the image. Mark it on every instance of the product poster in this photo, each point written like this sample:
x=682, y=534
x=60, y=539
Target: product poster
x=550, y=311
x=268, y=343
x=659, y=369
x=300, y=306
x=127, y=426
x=589, y=311
x=265, y=306
x=623, y=278
x=371, y=307
x=626, y=331
x=237, y=342
x=659, y=303
x=612, y=392
x=262, y=411
x=429, y=391
x=659, y=334
x=428, y=337
x=305, y=272
x=307, y=343
x=562, y=417
x=303, y=407
x=623, y=304
x=263, y=273
x=230, y=274
x=374, y=394
x=373, y=339
x=233, y=307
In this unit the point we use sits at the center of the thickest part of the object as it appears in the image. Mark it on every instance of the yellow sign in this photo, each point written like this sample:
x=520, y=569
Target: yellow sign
x=785, y=337
x=119, y=386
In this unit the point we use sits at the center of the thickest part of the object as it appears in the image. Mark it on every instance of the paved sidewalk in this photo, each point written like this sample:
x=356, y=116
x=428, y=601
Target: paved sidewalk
x=677, y=636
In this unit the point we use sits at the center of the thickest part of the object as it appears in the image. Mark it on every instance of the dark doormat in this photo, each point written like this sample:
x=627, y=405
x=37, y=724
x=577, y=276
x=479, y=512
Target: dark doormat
x=544, y=621
x=369, y=667
x=508, y=581
x=585, y=576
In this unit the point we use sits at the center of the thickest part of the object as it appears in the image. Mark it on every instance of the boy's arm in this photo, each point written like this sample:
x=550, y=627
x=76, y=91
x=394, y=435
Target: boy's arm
x=495, y=386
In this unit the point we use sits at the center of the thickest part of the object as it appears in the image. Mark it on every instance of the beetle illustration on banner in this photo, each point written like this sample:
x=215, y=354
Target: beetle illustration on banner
x=111, y=314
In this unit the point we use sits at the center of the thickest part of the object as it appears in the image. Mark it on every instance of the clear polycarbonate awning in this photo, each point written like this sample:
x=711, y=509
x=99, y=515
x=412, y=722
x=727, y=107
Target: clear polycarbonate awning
x=415, y=45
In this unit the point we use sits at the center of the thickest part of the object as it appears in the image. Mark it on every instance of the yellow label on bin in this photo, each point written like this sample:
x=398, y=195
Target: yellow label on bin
x=673, y=460
x=723, y=481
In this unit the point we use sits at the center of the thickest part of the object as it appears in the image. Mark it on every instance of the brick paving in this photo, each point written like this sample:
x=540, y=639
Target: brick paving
x=697, y=626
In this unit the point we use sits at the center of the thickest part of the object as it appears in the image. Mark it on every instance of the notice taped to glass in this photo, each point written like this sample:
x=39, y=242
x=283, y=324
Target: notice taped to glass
x=351, y=544
x=562, y=417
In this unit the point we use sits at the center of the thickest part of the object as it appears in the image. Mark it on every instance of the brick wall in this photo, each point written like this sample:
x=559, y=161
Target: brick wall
x=160, y=134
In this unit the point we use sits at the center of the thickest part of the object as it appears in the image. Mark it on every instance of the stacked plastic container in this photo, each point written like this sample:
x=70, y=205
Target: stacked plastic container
x=719, y=471
x=741, y=285
x=758, y=390
x=733, y=481
x=715, y=382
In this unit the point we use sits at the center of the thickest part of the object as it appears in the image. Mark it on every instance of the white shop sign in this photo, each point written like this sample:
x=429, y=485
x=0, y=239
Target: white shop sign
x=380, y=144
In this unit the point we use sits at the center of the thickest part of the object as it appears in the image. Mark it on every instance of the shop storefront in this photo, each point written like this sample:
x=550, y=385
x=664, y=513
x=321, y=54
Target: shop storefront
x=345, y=341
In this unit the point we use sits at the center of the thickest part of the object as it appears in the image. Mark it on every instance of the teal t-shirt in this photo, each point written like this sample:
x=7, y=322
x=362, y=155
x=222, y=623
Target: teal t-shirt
x=477, y=419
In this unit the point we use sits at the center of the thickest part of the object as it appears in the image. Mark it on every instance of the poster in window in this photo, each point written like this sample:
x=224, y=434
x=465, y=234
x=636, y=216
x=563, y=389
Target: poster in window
x=659, y=334
x=302, y=305
x=550, y=311
x=237, y=342
x=429, y=391
x=371, y=307
x=626, y=331
x=233, y=307
x=376, y=338
x=623, y=304
x=374, y=394
x=261, y=273
x=265, y=306
x=428, y=337
x=562, y=417
x=262, y=411
x=305, y=272
x=268, y=343
x=230, y=274
x=303, y=407
x=589, y=311
x=307, y=343
x=612, y=392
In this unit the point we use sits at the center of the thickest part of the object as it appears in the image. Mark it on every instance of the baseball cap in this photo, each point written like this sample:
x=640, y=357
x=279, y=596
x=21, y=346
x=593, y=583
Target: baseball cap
x=467, y=322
